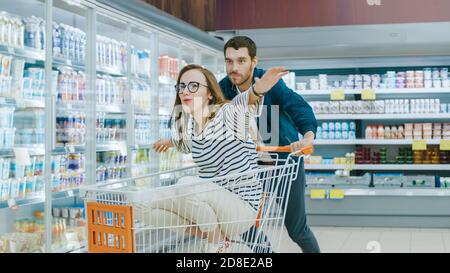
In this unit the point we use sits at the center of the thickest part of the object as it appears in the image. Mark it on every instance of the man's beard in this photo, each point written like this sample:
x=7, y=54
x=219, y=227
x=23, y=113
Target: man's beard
x=245, y=80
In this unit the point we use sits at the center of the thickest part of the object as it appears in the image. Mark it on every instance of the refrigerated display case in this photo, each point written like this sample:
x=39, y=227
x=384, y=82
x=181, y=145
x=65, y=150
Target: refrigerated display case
x=92, y=120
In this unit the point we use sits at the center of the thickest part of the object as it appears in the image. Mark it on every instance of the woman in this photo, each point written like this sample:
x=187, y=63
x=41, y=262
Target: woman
x=216, y=132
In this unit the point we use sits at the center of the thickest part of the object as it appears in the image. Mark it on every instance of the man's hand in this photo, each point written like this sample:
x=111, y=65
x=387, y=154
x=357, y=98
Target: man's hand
x=269, y=79
x=162, y=145
x=308, y=140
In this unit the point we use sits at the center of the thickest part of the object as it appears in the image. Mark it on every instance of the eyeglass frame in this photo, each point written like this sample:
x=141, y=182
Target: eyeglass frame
x=187, y=85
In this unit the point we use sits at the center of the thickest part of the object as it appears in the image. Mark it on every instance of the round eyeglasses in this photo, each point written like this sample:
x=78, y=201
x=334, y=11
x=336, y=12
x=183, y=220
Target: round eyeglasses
x=191, y=87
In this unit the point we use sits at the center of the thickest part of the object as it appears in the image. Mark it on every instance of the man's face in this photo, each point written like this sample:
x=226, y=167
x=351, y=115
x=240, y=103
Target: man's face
x=239, y=65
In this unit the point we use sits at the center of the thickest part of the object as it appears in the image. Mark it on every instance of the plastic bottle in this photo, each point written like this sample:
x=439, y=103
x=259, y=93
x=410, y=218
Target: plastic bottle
x=369, y=132
x=387, y=132
x=380, y=133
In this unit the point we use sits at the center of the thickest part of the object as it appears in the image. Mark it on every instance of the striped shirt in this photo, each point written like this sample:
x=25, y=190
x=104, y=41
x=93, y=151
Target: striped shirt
x=225, y=147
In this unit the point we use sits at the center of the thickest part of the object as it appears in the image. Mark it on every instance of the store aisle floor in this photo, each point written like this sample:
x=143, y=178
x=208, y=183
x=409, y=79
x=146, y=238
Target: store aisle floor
x=369, y=240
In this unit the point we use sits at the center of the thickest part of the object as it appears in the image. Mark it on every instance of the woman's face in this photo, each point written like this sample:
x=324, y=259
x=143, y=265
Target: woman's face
x=194, y=103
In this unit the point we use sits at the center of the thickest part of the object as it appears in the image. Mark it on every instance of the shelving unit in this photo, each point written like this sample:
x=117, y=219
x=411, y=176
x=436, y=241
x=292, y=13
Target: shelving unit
x=361, y=205
x=79, y=106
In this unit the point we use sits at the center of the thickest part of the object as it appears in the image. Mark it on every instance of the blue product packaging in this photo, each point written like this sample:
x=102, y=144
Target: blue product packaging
x=331, y=135
x=331, y=126
x=351, y=135
x=337, y=126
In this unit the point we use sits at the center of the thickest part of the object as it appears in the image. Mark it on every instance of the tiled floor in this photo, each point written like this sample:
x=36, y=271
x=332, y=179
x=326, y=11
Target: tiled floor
x=375, y=240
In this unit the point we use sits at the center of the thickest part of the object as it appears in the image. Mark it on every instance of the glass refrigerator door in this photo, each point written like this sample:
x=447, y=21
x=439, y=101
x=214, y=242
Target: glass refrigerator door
x=170, y=63
x=69, y=83
x=111, y=99
x=144, y=104
x=22, y=126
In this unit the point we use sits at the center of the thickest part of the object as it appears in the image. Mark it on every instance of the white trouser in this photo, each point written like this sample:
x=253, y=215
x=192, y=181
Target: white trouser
x=203, y=204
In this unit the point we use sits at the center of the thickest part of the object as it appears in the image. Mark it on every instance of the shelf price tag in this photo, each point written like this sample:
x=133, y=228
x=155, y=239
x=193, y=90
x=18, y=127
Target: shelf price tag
x=318, y=194
x=12, y=204
x=10, y=50
x=337, y=194
x=22, y=156
x=337, y=94
x=368, y=94
x=445, y=145
x=419, y=145
x=70, y=193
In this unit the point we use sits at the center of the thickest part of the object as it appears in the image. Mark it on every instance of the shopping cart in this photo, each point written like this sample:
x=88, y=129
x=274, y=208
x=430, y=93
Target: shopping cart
x=154, y=213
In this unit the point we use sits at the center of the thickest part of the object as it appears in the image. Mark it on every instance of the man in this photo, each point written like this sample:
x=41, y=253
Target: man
x=295, y=115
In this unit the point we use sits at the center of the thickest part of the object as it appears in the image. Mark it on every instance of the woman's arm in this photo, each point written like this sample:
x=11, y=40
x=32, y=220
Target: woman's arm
x=263, y=85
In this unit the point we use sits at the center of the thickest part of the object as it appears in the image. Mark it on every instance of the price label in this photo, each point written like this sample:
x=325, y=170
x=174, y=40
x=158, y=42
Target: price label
x=22, y=156
x=368, y=94
x=10, y=50
x=71, y=149
x=318, y=194
x=123, y=148
x=337, y=95
x=337, y=194
x=12, y=204
x=419, y=145
x=2, y=101
x=70, y=193
x=445, y=145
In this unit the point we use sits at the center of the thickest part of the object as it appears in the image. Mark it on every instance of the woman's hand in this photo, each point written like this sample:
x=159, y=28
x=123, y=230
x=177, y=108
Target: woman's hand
x=162, y=145
x=269, y=79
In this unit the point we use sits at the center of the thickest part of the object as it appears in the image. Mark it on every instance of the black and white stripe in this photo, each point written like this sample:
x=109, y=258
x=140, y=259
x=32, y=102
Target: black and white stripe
x=225, y=147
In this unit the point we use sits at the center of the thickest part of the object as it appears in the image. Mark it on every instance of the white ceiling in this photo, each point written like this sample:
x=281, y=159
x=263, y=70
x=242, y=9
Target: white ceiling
x=349, y=41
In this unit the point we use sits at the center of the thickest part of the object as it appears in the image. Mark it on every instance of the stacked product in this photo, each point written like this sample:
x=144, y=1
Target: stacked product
x=415, y=106
x=71, y=86
x=70, y=128
x=431, y=156
x=141, y=95
x=69, y=43
x=336, y=130
x=68, y=171
x=110, y=129
x=7, y=130
x=140, y=62
x=111, y=165
x=169, y=67
x=22, y=181
x=425, y=78
x=143, y=133
x=111, y=54
x=110, y=90
x=30, y=127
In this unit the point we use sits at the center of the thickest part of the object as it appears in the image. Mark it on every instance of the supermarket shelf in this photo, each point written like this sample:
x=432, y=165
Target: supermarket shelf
x=27, y=53
x=391, y=192
x=382, y=116
x=142, y=78
x=387, y=91
x=103, y=147
x=22, y=103
x=67, y=63
x=117, y=109
x=166, y=80
x=387, y=167
x=141, y=111
x=39, y=198
x=80, y=106
x=110, y=71
x=372, y=142
x=35, y=150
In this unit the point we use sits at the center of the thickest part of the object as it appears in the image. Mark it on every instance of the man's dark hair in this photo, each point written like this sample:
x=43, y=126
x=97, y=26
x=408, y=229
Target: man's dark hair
x=241, y=41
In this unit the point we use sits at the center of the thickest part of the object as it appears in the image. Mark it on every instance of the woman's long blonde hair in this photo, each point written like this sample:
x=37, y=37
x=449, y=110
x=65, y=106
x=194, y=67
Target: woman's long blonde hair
x=217, y=101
